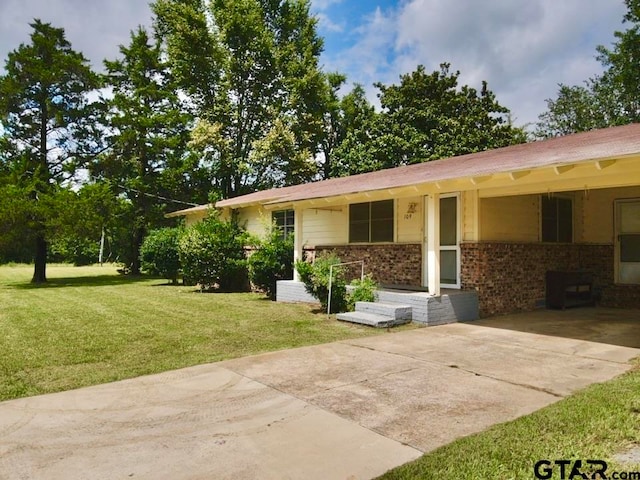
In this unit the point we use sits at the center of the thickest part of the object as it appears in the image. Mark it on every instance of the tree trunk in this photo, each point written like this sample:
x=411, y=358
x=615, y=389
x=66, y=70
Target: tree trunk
x=138, y=238
x=40, y=270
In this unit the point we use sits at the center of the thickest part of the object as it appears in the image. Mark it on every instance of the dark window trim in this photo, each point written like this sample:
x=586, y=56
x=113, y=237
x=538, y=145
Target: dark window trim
x=287, y=227
x=556, y=218
x=389, y=222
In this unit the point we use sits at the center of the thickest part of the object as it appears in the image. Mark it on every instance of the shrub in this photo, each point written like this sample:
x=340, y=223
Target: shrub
x=159, y=253
x=364, y=291
x=272, y=261
x=212, y=254
x=316, y=281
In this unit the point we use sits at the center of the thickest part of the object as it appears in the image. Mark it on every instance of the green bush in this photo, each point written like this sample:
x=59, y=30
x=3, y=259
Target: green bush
x=272, y=261
x=364, y=291
x=315, y=277
x=212, y=254
x=159, y=253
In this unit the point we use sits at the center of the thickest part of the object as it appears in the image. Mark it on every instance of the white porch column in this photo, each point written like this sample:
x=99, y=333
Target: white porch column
x=298, y=253
x=433, y=243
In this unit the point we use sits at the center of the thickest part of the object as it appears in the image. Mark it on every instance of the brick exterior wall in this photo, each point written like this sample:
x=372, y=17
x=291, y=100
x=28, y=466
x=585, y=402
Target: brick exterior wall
x=510, y=277
x=390, y=264
x=621, y=296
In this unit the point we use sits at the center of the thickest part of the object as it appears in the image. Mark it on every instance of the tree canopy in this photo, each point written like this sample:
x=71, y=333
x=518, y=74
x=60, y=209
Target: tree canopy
x=47, y=127
x=609, y=99
x=251, y=71
x=426, y=116
x=147, y=135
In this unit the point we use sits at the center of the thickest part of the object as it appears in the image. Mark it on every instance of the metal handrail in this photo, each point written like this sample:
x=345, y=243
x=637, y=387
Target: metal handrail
x=361, y=262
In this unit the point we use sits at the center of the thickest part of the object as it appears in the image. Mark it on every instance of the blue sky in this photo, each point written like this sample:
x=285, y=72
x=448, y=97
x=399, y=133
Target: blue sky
x=523, y=48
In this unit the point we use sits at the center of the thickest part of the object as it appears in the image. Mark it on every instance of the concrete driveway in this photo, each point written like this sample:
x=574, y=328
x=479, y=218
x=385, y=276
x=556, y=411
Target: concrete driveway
x=345, y=410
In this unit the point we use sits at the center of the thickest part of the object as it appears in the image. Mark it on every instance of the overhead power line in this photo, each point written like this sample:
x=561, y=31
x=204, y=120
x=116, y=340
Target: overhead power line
x=157, y=196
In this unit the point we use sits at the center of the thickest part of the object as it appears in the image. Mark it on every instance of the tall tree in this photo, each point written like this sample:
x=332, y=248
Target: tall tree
x=46, y=125
x=148, y=131
x=580, y=109
x=612, y=98
x=426, y=117
x=251, y=72
x=343, y=115
x=623, y=65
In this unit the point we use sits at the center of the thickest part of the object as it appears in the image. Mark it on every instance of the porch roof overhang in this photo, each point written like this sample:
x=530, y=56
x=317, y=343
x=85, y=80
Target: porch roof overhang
x=597, y=159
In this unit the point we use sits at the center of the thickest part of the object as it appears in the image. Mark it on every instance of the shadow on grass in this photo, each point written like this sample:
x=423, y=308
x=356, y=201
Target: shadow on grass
x=89, y=281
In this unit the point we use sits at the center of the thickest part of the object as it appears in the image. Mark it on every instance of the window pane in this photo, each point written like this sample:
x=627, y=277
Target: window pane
x=359, y=222
x=629, y=217
x=448, y=267
x=549, y=230
x=630, y=248
x=382, y=230
x=549, y=219
x=358, y=232
x=278, y=218
x=371, y=222
x=448, y=221
x=565, y=220
x=284, y=220
x=288, y=230
x=289, y=216
x=359, y=212
x=557, y=219
x=382, y=210
x=382, y=221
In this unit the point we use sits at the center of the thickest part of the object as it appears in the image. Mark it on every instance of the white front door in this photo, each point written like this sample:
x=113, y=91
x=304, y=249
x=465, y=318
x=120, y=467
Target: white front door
x=628, y=241
x=449, y=223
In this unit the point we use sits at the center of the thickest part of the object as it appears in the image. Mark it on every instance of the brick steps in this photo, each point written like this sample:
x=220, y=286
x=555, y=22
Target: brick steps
x=450, y=306
x=394, y=310
x=371, y=319
x=380, y=315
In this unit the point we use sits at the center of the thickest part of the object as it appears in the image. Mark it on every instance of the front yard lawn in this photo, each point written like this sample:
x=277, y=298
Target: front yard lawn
x=90, y=325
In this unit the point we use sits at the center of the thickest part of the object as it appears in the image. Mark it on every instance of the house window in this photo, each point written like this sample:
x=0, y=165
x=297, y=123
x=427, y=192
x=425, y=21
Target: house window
x=371, y=222
x=557, y=219
x=284, y=221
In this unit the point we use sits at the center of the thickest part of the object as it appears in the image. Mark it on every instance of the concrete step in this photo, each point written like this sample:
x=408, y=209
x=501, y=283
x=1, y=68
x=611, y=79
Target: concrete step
x=394, y=310
x=371, y=319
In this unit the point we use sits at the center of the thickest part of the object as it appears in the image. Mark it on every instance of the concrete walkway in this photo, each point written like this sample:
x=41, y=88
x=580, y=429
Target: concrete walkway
x=346, y=410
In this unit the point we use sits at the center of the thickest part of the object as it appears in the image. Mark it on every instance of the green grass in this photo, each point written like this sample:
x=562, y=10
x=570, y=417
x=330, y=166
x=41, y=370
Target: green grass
x=595, y=423
x=89, y=325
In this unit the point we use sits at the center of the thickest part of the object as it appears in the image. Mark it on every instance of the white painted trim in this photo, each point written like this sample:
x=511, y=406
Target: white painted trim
x=298, y=247
x=616, y=242
x=455, y=248
x=433, y=244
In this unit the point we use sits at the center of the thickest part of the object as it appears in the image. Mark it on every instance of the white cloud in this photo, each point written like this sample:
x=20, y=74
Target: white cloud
x=93, y=28
x=323, y=4
x=523, y=49
x=329, y=25
x=371, y=58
